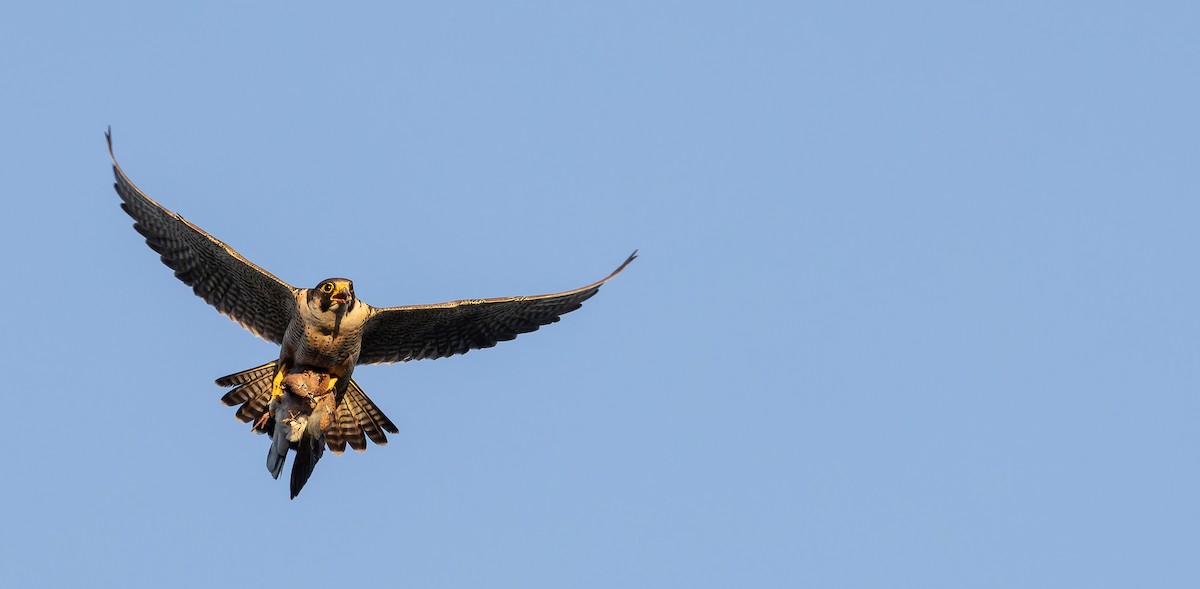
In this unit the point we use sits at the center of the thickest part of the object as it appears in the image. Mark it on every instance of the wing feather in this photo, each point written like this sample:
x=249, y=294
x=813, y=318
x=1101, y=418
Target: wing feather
x=417, y=332
x=237, y=288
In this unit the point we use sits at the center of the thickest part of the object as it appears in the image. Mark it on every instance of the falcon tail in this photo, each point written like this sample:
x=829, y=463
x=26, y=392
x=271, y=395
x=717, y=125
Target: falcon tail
x=357, y=416
x=355, y=419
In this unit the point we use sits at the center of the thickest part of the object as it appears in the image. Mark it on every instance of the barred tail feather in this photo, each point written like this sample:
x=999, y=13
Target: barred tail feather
x=348, y=429
x=246, y=376
x=356, y=418
x=357, y=415
x=252, y=390
x=371, y=414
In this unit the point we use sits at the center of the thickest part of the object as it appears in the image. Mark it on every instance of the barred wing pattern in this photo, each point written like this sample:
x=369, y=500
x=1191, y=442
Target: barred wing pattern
x=237, y=288
x=418, y=332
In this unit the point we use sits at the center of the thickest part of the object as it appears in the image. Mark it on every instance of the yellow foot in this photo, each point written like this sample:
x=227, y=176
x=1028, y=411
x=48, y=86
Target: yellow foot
x=276, y=388
x=332, y=383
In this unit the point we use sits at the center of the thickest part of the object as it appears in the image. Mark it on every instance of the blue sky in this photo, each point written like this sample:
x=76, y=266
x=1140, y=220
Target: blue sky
x=915, y=306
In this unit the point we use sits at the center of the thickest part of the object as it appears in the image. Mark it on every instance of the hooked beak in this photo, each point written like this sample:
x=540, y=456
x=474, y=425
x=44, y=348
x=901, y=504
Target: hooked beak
x=341, y=294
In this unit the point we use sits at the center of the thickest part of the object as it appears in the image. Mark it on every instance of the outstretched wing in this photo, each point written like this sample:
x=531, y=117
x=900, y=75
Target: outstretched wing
x=400, y=334
x=246, y=293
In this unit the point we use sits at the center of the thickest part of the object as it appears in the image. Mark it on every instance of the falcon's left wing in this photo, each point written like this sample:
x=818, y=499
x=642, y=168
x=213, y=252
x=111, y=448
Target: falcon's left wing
x=246, y=293
x=400, y=334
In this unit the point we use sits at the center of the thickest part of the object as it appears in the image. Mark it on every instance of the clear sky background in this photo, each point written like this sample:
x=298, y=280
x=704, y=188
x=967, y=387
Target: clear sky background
x=916, y=304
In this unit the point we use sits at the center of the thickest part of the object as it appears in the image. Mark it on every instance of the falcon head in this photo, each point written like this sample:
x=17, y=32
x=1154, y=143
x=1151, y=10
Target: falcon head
x=333, y=294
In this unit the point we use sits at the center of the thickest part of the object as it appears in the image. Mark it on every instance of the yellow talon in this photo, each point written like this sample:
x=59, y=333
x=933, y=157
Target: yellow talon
x=332, y=382
x=276, y=385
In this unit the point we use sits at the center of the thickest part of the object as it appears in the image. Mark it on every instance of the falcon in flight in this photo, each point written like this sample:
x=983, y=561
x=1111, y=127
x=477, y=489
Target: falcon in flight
x=308, y=396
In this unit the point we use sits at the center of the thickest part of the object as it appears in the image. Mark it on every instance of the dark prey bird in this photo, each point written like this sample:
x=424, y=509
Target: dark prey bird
x=323, y=333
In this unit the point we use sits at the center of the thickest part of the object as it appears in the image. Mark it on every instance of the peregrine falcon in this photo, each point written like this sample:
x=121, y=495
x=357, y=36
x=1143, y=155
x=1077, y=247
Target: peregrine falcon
x=308, y=395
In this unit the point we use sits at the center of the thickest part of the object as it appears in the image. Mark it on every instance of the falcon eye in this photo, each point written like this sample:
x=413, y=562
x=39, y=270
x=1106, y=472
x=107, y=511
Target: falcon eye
x=327, y=287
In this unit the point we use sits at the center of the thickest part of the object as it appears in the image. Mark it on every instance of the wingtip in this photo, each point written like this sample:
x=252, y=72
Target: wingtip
x=108, y=138
x=631, y=258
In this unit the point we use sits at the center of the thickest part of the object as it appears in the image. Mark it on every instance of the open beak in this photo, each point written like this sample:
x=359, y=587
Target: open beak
x=341, y=294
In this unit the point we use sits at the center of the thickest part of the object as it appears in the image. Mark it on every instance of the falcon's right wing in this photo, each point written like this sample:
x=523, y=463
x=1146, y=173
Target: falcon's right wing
x=246, y=293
